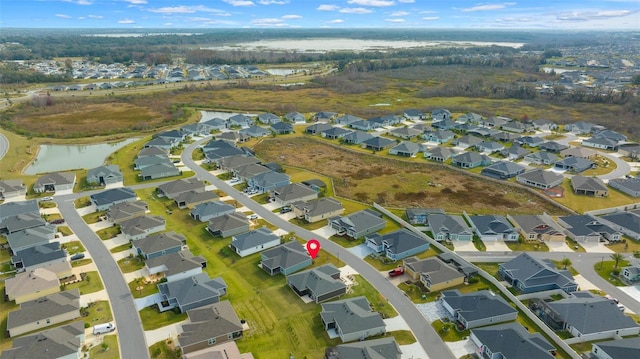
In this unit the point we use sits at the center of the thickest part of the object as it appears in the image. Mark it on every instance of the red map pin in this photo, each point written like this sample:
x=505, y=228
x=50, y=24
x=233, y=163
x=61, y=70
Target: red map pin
x=313, y=247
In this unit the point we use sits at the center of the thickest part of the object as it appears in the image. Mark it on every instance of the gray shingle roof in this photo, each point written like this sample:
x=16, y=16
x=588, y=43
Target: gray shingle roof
x=113, y=195
x=514, y=341
x=621, y=349
x=15, y=208
x=175, y=263
x=161, y=241
x=39, y=254
x=53, y=343
x=351, y=315
x=534, y=272
x=318, y=280
x=209, y=322
x=448, y=223
x=194, y=289
x=45, y=307
x=383, y=348
x=491, y=224
x=253, y=238
x=627, y=220
x=477, y=305
x=592, y=315
x=588, y=183
x=285, y=255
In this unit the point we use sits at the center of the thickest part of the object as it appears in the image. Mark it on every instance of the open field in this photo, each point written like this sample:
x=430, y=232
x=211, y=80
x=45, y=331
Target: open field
x=581, y=203
x=395, y=183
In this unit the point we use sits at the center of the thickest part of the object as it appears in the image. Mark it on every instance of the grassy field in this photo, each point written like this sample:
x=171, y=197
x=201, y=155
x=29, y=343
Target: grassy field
x=130, y=264
x=581, y=203
x=153, y=319
x=73, y=247
x=90, y=284
x=163, y=350
x=395, y=183
x=108, y=350
x=97, y=313
x=141, y=290
x=120, y=248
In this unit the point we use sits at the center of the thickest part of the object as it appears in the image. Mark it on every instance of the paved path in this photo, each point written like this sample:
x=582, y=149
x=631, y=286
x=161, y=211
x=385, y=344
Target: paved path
x=424, y=333
x=4, y=146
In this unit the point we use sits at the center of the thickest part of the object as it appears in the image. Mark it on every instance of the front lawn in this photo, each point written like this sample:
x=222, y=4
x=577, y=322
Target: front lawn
x=606, y=270
x=93, y=217
x=107, y=350
x=153, y=319
x=73, y=247
x=522, y=246
x=141, y=290
x=491, y=268
x=90, y=284
x=300, y=222
x=346, y=242
x=82, y=202
x=96, y=313
x=81, y=262
x=162, y=350
x=108, y=233
x=121, y=248
x=66, y=231
x=448, y=331
x=130, y=264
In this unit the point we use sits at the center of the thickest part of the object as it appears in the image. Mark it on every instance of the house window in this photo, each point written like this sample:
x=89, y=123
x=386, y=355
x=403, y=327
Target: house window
x=49, y=322
x=211, y=341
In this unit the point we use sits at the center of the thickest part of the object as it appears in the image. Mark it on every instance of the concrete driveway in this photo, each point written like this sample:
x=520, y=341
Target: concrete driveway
x=464, y=246
x=497, y=246
x=325, y=231
x=169, y=331
x=596, y=248
x=462, y=347
x=558, y=246
x=361, y=250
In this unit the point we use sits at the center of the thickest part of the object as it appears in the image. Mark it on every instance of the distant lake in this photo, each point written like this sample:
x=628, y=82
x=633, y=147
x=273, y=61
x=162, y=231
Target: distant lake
x=52, y=158
x=210, y=115
x=282, y=72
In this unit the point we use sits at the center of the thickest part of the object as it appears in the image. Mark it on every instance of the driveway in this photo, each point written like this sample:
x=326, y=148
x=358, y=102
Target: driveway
x=361, y=250
x=596, y=248
x=497, y=246
x=170, y=331
x=462, y=347
x=464, y=246
x=325, y=231
x=433, y=311
x=558, y=246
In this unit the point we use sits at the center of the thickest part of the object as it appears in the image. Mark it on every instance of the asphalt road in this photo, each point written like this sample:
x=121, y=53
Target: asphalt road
x=131, y=339
x=424, y=333
x=582, y=262
x=4, y=146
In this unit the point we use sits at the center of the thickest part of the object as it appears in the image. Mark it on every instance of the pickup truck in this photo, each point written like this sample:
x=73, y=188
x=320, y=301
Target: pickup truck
x=396, y=271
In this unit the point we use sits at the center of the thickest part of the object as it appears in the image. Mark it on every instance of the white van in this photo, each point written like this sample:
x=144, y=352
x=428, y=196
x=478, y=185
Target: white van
x=103, y=328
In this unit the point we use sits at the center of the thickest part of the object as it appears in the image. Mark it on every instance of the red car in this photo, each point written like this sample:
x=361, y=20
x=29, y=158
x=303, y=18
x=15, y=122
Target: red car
x=396, y=271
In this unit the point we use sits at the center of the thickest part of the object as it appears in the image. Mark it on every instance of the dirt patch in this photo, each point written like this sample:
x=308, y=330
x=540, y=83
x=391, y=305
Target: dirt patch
x=395, y=183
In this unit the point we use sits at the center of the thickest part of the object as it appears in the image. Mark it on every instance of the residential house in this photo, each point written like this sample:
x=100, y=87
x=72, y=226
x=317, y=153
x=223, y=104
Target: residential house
x=489, y=147
x=542, y=158
x=63, y=342
x=21, y=222
x=439, y=136
x=216, y=124
x=347, y=120
x=578, y=152
x=405, y=133
x=211, y=325
x=191, y=292
x=446, y=124
x=240, y=120
x=552, y=146
x=31, y=237
x=233, y=162
x=446, y=227
x=290, y=193
x=295, y=117
x=516, y=126
x=364, y=125
x=324, y=116
x=625, y=222
x=421, y=215
x=398, y=244
x=630, y=186
x=358, y=224
x=43, y=312
x=467, y=141
x=440, y=114
x=574, y=164
x=268, y=118
x=120, y=212
x=352, y=319
x=104, y=175
x=611, y=135
x=471, y=160
x=161, y=143
x=160, y=244
x=539, y=228
x=243, y=173
x=255, y=131
x=356, y=137
x=31, y=285
x=581, y=128
x=41, y=256
x=317, y=128
x=586, y=316
x=439, y=154
x=482, y=132
x=192, y=198
x=414, y=115
x=514, y=152
x=528, y=275
x=406, y=149
x=106, y=199
x=465, y=127
x=589, y=186
x=477, y=309
x=588, y=229
x=386, y=348
x=631, y=273
x=494, y=121
x=319, y=284
x=206, y=211
x=55, y=181
x=469, y=118
x=228, y=225
x=231, y=137
x=502, y=136
x=423, y=128
x=616, y=349
x=386, y=120
x=378, y=143
x=335, y=133
x=510, y=340
x=141, y=226
x=162, y=170
x=141, y=163
x=12, y=189
x=174, y=188
x=282, y=128
x=492, y=228
x=544, y=125
x=173, y=136
x=529, y=141
x=317, y=209
x=176, y=266
x=196, y=129
x=539, y=178
x=433, y=273
x=602, y=143
x=253, y=241
x=268, y=181
x=286, y=258
x=503, y=170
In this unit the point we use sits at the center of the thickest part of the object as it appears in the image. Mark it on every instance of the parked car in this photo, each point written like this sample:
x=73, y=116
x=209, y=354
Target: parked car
x=77, y=256
x=285, y=210
x=253, y=217
x=48, y=198
x=234, y=180
x=396, y=271
x=57, y=221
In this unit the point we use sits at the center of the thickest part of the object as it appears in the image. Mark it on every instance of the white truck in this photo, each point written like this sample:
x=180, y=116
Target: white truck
x=103, y=328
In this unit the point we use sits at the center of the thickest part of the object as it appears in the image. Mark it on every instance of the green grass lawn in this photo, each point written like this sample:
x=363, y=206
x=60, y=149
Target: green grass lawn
x=479, y=244
x=108, y=351
x=6, y=306
x=415, y=293
x=627, y=245
x=130, y=264
x=121, y=248
x=346, y=242
x=491, y=268
x=448, y=332
x=524, y=246
x=161, y=350
x=581, y=203
x=300, y=222
x=93, y=217
x=108, y=233
x=605, y=269
x=147, y=289
x=403, y=337
x=82, y=202
x=153, y=319
x=66, y=231
x=74, y=247
x=383, y=263
x=90, y=284
x=81, y=262
x=97, y=313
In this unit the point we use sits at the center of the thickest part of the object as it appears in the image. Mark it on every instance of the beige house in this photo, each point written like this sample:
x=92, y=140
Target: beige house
x=540, y=228
x=433, y=272
x=32, y=285
x=317, y=209
x=43, y=312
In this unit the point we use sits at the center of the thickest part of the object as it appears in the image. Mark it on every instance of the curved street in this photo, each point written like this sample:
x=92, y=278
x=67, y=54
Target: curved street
x=421, y=328
x=4, y=145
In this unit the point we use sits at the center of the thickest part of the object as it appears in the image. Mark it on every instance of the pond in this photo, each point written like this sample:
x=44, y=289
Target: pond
x=282, y=72
x=53, y=158
x=210, y=115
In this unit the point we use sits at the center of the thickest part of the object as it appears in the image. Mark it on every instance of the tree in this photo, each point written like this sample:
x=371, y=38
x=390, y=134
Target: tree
x=565, y=262
x=617, y=257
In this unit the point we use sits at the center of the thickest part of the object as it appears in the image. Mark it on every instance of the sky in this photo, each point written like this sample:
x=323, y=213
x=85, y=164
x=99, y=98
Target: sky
x=180, y=14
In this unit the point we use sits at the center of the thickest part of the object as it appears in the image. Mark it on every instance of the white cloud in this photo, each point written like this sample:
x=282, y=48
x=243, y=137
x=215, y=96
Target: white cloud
x=95, y=16
x=355, y=10
x=336, y=21
x=182, y=9
x=327, y=8
x=488, y=7
x=374, y=3
x=239, y=2
x=593, y=15
x=292, y=16
x=431, y=18
x=399, y=13
x=270, y=22
x=407, y=1
x=136, y=2
x=126, y=21
x=80, y=2
x=273, y=2
x=395, y=20
x=167, y=24
x=64, y=16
